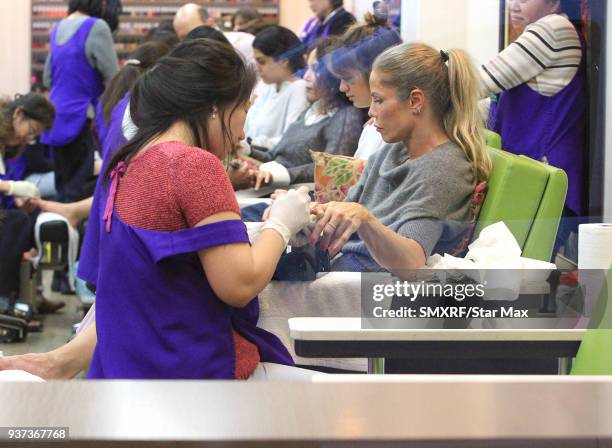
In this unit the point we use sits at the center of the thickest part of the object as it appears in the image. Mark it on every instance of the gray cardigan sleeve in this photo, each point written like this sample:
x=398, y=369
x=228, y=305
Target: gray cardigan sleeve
x=341, y=137
x=47, y=72
x=100, y=50
x=343, y=132
x=262, y=156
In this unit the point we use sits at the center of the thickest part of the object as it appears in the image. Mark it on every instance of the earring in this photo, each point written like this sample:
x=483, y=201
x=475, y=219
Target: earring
x=214, y=116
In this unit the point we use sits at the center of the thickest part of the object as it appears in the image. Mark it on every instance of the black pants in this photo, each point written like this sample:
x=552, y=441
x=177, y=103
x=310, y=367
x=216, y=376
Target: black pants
x=16, y=237
x=74, y=167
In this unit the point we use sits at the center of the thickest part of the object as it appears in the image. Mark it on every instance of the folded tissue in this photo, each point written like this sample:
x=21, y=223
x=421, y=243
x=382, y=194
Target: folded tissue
x=494, y=260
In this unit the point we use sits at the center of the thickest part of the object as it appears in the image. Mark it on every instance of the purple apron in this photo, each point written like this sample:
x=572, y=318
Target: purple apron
x=75, y=85
x=156, y=314
x=310, y=32
x=15, y=170
x=88, y=263
x=101, y=125
x=114, y=138
x=550, y=127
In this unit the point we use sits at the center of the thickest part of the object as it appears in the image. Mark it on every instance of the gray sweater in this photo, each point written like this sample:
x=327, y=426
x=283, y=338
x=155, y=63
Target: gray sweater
x=99, y=47
x=426, y=199
x=338, y=134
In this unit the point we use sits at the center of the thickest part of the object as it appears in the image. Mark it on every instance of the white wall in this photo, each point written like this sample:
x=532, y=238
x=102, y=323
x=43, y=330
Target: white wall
x=482, y=29
x=295, y=13
x=15, y=44
x=472, y=25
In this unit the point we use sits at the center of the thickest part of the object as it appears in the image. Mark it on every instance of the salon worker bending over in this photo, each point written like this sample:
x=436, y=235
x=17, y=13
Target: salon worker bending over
x=175, y=241
x=414, y=196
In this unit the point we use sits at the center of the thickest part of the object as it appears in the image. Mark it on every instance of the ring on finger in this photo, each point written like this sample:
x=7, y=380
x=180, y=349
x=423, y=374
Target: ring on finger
x=333, y=226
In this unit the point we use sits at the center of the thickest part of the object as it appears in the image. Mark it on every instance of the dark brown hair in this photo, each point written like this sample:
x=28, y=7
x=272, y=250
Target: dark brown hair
x=361, y=44
x=196, y=77
x=138, y=62
x=34, y=106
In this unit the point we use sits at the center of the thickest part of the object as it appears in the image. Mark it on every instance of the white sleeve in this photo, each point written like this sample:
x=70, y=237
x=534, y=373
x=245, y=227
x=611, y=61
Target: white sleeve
x=298, y=103
x=280, y=174
x=128, y=127
x=265, y=141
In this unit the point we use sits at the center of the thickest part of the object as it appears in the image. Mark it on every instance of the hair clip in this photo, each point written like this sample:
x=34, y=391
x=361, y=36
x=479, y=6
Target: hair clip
x=444, y=56
x=132, y=62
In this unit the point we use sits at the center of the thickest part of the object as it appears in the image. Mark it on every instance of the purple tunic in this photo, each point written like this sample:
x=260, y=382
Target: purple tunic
x=548, y=127
x=156, y=315
x=101, y=125
x=75, y=85
x=309, y=33
x=114, y=138
x=88, y=264
x=15, y=170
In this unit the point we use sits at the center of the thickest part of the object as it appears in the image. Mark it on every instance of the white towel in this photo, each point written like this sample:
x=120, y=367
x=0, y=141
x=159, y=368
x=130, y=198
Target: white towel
x=495, y=261
x=73, y=244
x=19, y=376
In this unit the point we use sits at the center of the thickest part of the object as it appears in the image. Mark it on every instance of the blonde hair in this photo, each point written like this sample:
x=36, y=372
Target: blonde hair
x=450, y=82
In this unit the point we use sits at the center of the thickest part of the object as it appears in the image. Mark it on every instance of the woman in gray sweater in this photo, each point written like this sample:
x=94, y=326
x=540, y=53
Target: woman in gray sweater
x=331, y=124
x=414, y=196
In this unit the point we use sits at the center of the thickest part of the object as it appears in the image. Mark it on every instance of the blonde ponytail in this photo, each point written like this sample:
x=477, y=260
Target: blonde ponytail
x=463, y=121
x=450, y=83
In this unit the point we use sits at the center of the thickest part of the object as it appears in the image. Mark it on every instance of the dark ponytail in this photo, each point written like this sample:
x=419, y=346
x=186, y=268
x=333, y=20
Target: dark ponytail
x=93, y=8
x=139, y=61
x=186, y=85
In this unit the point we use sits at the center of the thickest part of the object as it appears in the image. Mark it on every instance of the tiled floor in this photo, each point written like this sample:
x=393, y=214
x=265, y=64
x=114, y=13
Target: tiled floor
x=56, y=332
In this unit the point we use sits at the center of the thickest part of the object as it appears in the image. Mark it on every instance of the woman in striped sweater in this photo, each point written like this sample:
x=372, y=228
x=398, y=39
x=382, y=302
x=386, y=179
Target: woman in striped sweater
x=538, y=90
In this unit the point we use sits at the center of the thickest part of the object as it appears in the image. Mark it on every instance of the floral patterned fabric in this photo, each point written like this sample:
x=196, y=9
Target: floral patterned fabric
x=334, y=175
x=478, y=198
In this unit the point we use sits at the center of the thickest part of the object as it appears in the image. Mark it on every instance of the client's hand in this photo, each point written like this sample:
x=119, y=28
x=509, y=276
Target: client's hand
x=277, y=193
x=338, y=221
x=289, y=213
x=240, y=177
x=259, y=178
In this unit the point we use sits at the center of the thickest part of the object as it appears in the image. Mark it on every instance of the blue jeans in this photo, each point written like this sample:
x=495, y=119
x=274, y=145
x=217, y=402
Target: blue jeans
x=45, y=183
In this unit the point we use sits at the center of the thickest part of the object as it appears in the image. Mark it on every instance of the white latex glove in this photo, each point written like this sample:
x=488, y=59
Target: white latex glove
x=289, y=213
x=23, y=189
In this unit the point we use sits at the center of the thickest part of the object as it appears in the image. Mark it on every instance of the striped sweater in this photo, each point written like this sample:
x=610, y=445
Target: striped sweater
x=546, y=56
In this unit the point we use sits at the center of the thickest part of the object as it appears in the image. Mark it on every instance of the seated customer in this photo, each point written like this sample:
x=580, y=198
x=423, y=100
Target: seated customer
x=21, y=121
x=352, y=64
x=279, y=56
x=331, y=124
x=413, y=198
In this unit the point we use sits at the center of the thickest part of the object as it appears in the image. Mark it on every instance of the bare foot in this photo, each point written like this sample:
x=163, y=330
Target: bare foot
x=65, y=210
